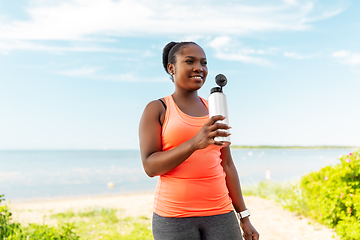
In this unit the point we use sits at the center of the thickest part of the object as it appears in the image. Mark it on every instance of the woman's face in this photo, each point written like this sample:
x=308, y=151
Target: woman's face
x=190, y=69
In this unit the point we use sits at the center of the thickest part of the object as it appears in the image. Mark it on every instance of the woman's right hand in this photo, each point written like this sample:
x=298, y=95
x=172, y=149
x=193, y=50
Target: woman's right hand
x=209, y=131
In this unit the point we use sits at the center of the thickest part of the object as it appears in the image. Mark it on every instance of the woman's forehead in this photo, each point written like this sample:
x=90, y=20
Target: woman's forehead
x=192, y=50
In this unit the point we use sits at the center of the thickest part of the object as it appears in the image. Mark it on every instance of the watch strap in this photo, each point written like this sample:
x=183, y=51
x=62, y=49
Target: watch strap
x=243, y=214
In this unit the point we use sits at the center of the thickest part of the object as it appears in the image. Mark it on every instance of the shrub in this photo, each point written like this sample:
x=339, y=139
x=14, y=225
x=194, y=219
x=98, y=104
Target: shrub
x=45, y=232
x=7, y=227
x=10, y=230
x=107, y=224
x=332, y=196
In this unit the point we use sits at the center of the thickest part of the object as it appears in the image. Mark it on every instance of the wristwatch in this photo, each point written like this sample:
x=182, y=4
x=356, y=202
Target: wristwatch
x=243, y=214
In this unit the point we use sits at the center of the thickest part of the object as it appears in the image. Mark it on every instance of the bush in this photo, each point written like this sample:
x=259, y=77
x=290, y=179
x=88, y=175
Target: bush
x=107, y=224
x=7, y=228
x=332, y=196
x=45, y=232
x=10, y=230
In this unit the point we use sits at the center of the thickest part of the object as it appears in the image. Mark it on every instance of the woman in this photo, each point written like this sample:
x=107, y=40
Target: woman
x=198, y=186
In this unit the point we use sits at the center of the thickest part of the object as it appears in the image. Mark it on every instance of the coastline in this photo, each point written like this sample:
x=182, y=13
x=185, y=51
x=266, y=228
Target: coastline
x=269, y=218
x=20, y=201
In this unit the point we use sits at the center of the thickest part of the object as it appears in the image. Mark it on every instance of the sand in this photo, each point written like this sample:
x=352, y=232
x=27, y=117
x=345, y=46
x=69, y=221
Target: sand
x=270, y=219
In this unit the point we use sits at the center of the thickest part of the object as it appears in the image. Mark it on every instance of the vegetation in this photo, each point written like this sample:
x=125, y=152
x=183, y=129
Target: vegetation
x=100, y=223
x=331, y=196
x=7, y=228
x=91, y=224
x=10, y=230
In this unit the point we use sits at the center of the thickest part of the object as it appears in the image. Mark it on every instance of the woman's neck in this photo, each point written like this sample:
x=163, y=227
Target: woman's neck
x=185, y=96
x=190, y=103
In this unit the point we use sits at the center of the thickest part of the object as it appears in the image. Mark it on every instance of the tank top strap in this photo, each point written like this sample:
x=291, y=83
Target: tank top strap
x=169, y=102
x=205, y=102
x=169, y=110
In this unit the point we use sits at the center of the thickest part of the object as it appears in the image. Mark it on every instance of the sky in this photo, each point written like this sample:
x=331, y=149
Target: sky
x=77, y=74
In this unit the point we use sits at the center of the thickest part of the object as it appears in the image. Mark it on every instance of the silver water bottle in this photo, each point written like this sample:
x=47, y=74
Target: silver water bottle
x=218, y=106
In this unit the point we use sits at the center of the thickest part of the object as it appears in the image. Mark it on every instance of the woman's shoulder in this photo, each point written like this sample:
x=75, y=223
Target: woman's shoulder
x=155, y=111
x=156, y=107
x=157, y=103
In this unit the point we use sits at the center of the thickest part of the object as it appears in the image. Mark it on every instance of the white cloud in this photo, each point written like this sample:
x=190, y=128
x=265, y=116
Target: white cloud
x=347, y=57
x=229, y=49
x=79, y=72
x=220, y=42
x=241, y=57
x=86, y=19
x=129, y=77
x=291, y=2
x=93, y=73
x=295, y=55
x=8, y=45
x=317, y=12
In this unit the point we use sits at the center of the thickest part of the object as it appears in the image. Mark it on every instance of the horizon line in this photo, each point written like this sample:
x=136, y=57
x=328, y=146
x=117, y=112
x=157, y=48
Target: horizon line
x=231, y=146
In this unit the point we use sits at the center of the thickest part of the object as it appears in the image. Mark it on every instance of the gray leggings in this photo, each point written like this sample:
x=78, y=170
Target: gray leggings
x=217, y=227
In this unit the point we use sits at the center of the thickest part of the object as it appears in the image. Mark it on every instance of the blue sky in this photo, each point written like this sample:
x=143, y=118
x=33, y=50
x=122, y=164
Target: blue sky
x=77, y=74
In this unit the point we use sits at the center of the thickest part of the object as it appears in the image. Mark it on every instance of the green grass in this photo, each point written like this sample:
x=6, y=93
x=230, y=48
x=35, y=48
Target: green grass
x=11, y=230
x=288, y=194
x=100, y=223
x=93, y=223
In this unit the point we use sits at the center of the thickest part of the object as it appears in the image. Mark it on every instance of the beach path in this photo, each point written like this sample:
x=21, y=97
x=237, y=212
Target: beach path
x=270, y=219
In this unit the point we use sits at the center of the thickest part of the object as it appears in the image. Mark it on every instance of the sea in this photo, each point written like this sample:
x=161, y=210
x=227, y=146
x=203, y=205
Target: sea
x=41, y=175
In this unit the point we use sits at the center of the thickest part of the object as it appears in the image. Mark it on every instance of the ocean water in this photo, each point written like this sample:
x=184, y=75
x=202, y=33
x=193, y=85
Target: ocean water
x=56, y=174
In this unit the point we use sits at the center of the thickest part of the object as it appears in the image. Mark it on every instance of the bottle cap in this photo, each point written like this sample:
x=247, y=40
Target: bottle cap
x=221, y=80
x=215, y=89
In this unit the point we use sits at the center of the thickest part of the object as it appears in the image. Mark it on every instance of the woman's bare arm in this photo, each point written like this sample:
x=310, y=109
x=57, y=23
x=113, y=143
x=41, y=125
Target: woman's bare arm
x=232, y=180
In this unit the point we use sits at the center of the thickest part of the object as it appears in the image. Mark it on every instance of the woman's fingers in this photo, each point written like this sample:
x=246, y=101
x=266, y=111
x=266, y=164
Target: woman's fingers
x=217, y=129
x=219, y=133
x=211, y=129
x=218, y=125
x=213, y=119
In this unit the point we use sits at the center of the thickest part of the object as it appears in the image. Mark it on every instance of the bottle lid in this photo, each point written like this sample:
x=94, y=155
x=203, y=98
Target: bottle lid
x=221, y=80
x=216, y=89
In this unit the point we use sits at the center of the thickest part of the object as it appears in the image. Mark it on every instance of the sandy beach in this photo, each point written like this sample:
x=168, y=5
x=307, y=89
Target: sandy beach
x=270, y=219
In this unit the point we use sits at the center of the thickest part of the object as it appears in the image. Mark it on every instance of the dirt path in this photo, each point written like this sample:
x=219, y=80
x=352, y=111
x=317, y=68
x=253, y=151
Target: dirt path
x=273, y=222
x=270, y=219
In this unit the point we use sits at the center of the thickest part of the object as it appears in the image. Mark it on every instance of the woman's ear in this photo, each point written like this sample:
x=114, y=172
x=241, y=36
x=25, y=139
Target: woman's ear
x=171, y=69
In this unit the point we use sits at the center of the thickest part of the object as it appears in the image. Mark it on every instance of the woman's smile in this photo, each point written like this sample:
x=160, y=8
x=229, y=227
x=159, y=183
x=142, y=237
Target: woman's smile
x=197, y=78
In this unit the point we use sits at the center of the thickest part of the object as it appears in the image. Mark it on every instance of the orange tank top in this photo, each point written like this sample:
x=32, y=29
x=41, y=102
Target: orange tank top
x=196, y=187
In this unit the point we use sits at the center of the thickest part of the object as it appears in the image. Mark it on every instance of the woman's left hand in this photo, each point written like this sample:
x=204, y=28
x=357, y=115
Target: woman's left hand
x=249, y=232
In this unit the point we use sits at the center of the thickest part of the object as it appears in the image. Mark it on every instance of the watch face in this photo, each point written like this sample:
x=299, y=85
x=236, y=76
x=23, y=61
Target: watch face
x=244, y=214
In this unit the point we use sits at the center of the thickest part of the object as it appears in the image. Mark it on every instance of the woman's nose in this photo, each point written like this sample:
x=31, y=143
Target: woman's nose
x=198, y=68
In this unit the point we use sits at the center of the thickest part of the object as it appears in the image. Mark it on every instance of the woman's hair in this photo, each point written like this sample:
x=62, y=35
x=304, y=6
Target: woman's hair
x=170, y=51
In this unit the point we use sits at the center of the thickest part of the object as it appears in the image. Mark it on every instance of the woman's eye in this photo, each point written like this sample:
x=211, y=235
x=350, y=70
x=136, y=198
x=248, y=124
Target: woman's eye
x=204, y=63
x=189, y=61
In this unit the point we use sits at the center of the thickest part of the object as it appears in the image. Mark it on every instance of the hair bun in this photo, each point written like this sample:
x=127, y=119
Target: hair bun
x=166, y=51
